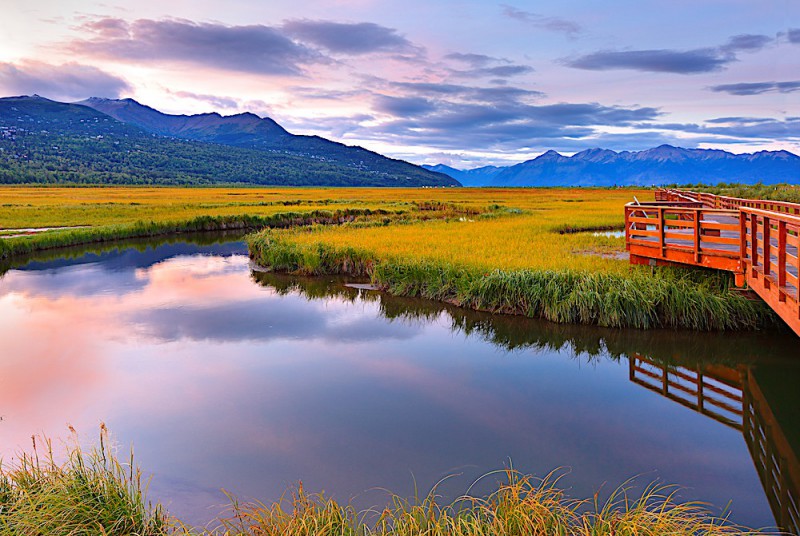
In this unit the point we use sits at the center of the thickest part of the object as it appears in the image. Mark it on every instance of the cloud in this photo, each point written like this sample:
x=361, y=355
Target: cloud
x=348, y=38
x=742, y=120
x=482, y=66
x=757, y=88
x=499, y=71
x=553, y=24
x=497, y=125
x=699, y=60
x=403, y=106
x=253, y=49
x=793, y=35
x=67, y=82
x=738, y=128
x=475, y=60
x=746, y=42
x=214, y=100
x=475, y=93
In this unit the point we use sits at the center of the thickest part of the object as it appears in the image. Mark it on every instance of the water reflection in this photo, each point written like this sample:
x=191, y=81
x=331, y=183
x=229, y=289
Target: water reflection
x=734, y=397
x=716, y=375
x=223, y=383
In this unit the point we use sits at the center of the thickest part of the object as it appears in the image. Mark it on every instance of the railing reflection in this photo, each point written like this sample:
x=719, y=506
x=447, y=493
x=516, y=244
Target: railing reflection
x=733, y=397
x=712, y=390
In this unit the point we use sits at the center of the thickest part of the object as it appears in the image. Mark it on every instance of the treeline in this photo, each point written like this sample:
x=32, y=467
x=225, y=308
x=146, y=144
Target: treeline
x=35, y=157
x=789, y=193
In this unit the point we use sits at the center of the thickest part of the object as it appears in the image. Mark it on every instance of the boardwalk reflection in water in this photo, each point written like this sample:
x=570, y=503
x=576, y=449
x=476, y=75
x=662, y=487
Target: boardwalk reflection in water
x=733, y=396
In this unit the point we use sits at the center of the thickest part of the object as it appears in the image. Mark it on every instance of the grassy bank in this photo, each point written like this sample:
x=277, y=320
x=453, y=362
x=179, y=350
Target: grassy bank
x=637, y=299
x=95, y=494
x=91, y=235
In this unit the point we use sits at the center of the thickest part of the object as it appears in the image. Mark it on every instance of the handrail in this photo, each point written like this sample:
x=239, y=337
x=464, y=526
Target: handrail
x=788, y=218
x=757, y=240
x=723, y=201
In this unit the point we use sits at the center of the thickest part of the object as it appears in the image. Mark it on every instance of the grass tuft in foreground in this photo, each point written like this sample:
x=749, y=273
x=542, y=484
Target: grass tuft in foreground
x=90, y=494
x=95, y=494
x=522, y=506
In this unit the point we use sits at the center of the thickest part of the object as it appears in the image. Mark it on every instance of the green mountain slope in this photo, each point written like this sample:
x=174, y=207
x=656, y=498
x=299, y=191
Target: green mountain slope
x=247, y=131
x=43, y=141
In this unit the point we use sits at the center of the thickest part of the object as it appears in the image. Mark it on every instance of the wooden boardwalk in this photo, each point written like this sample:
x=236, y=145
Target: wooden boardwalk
x=756, y=240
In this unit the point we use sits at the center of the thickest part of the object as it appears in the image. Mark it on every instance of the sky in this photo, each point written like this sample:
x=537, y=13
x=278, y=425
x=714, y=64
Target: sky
x=465, y=83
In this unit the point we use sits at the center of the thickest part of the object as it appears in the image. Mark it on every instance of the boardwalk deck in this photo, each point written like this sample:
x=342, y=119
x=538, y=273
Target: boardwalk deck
x=759, y=241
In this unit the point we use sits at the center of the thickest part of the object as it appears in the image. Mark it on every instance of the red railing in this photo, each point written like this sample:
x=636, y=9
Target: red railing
x=732, y=396
x=757, y=240
x=684, y=234
x=770, y=253
x=725, y=202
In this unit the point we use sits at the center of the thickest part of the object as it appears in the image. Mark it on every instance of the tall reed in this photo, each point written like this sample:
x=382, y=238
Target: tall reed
x=91, y=493
x=638, y=299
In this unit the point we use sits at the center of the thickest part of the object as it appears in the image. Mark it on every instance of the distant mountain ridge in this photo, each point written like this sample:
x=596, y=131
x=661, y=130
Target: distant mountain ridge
x=245, y=130
x=203, y=127
x=46, y=141
x=661, y=165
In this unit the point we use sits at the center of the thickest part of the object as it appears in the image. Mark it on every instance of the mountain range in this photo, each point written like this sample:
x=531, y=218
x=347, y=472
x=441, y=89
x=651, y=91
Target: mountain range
x=120, y=141
x=661, y=165
x=125, y=142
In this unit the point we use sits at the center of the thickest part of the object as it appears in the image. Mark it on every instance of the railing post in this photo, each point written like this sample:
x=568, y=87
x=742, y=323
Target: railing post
x=767, y=246
x=781, y=260
x=627, y=229
x=700, y=385
x=754, y=240
x=661, y=243
x=697, y=219
x=743, y=235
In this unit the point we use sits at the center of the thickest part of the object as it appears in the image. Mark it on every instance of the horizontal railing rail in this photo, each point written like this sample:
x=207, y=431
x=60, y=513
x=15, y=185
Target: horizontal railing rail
x=726, y=202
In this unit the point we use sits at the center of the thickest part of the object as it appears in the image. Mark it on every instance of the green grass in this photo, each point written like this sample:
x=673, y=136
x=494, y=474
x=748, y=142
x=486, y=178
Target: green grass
x=90, y=494
x=638, y=299
x=95, y=494
x=789, y=193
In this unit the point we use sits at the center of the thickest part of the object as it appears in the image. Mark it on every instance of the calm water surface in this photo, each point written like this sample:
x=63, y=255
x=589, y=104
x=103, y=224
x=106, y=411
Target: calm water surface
x=225, y=377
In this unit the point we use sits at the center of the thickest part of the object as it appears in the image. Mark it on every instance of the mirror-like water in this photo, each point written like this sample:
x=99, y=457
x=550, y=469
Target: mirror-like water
x=224, y=377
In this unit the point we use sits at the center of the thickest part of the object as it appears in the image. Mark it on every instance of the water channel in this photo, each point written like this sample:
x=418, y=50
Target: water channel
x=226, y=377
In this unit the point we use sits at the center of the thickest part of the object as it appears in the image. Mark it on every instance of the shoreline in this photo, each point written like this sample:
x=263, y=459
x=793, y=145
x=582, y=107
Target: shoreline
x=665, y=299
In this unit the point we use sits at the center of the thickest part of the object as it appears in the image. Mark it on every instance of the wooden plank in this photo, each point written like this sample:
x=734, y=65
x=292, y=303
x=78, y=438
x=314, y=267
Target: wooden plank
x=721, y=240
x=687, y=224
x=644, y=232
x=708, y=224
